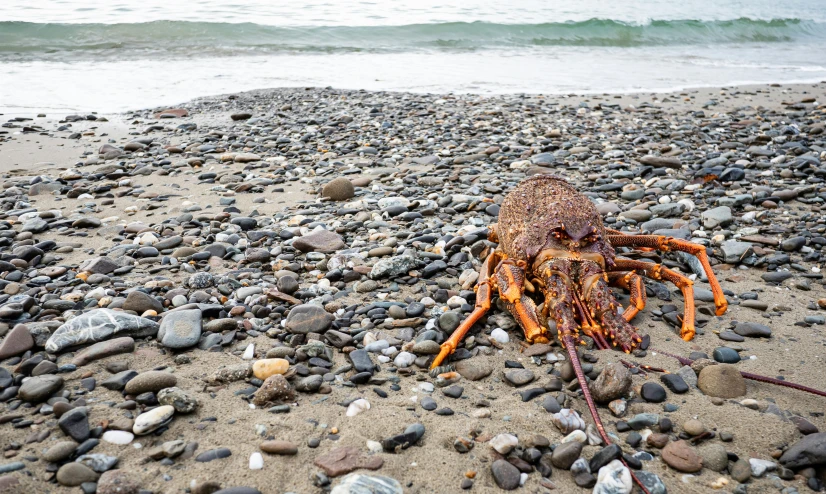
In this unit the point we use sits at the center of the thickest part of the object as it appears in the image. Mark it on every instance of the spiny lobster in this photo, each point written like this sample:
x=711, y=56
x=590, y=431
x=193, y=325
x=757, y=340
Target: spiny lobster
x=554, y=269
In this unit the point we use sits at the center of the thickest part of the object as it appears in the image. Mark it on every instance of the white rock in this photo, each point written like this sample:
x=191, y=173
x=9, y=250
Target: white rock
x=357, y=407
x=480, y=413
x=153, y=419
x=256, y=461
x=504, y=443
x=523, y=477
x=500, y=335
x=426, y=387
x=249, y=352
x=404, y=359
x=374, y=446
x=567, y=421
x=759, y=467
x=383, y=359
x=594, y=439
x=118, y=437
x=577, y=435
x=613, y=478
x=456, y=302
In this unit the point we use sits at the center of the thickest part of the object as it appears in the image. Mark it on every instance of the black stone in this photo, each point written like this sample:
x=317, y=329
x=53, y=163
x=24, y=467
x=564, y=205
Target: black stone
x=653, y=393
x=675, y=383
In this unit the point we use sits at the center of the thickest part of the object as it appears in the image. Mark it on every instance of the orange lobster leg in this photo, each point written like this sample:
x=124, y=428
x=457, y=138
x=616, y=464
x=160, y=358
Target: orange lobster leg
x=658, y=272
x=510, y=278
x=666, y=244
x=482, y=306
x=632, y=282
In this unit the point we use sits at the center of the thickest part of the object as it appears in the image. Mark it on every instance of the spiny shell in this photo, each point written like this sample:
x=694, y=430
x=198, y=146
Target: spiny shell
x=567, y=421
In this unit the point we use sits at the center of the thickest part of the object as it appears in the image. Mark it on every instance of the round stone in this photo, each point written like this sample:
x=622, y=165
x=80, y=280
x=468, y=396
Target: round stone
x=262, y=369
x=338, y=189
x=652, y=392
x=505, y=474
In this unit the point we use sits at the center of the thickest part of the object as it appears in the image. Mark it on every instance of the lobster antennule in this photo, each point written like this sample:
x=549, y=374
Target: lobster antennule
x=570, y=347
x=753, y=377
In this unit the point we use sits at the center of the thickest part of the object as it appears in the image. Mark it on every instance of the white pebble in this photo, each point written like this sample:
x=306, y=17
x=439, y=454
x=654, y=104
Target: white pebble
x=404, y=359
x=383, y=359
x=504, y=443
x=249, y=352
x=613, y=478
x=256, y=461
x=577, y=435
x=456, y=302
x=357, y=407
x=118, y=437
x=523, y=477
x=374, y=447
x=426, y=387
x=500, y=335
x=759, y=467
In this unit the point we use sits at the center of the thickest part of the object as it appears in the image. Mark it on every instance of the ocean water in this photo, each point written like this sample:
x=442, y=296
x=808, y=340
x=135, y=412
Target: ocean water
x=72, y=55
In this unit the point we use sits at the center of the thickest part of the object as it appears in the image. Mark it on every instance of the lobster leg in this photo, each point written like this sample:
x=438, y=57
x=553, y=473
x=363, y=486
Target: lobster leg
x=658, y=272
x=482, y=306
x=510, y=278
x=632, y=282
x=666, y=244
x=602, y=307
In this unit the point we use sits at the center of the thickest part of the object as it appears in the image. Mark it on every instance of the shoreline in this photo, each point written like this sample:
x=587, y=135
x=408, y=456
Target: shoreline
x=727, y=97
x=204, y=213
x=13, y=112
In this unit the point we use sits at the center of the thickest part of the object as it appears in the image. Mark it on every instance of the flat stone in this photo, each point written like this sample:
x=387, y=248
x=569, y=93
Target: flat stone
x=340, y=461
x=753, y=330
x=213, y=454
x=473, y=369
x=674, y=382
x=75, y=424
x=98, y=325
x=60, y=451
x=721, y=381
x=680, y=456
x=180, y=329
x=393, y=266
x=141, y=302
x=275, y=447
x=17, y=341
x=519, y=377
x=308, y=318
x=320, y=241
x=104, y=349
x=40, y=388
x=725, y=355
x=807, y=452
x=73, y=474
x=150, y=381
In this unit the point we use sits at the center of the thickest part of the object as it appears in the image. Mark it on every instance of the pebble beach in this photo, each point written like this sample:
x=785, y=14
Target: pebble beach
x=243, y=294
